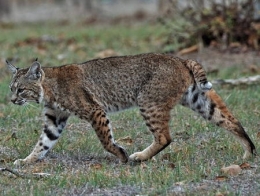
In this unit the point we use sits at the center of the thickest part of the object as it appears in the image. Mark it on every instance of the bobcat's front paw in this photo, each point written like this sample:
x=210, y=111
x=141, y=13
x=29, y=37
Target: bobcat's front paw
x=249, y=154
x=20, y=162
x=23, y=161
x=138, y=156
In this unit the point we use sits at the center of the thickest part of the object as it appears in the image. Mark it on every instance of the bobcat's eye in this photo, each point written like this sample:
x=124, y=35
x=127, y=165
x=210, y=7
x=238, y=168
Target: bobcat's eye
x=20, y=90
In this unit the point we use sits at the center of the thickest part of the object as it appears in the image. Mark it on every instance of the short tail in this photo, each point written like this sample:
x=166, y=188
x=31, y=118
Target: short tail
x=199, y=75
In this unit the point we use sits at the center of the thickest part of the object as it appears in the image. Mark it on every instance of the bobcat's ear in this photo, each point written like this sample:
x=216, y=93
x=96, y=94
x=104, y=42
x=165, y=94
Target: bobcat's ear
x=35, y=71
x=11, y=67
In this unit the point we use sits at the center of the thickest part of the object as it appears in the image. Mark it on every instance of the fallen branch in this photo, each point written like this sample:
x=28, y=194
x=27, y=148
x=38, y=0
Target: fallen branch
x=12, y=171
x=22, y=175
x=245, y=81
x=188, y=50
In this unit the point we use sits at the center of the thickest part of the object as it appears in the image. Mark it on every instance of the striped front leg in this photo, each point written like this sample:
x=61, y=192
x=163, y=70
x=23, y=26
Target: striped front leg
x=55, y=121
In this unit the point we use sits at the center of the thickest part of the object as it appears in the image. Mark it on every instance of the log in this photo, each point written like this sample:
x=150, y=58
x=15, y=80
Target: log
x=188, y=50
x=240, y=82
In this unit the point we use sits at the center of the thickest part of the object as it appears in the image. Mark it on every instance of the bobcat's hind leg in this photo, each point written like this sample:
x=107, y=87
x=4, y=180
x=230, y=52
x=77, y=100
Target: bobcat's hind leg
x=54, y=123
x=157, y=120
x=211, y=107
x=221, y=116
x=103, y=130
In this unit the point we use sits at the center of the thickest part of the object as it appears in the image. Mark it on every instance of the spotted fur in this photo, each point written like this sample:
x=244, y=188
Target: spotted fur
x=153, y=82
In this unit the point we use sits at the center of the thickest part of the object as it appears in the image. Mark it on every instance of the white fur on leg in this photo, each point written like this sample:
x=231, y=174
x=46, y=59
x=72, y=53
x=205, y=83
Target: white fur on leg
x=20, y=162
x=138, y=156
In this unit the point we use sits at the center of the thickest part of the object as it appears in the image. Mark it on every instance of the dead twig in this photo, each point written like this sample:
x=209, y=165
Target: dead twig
x=12, y=171
x=188, y=50
x=23, y=175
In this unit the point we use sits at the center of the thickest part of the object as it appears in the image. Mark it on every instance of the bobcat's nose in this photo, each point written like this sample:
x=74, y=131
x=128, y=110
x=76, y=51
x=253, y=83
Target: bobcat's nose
x=13, y=100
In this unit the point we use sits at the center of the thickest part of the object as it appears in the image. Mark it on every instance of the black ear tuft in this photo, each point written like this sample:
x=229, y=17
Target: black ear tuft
x=11, y=67
x=36, y=59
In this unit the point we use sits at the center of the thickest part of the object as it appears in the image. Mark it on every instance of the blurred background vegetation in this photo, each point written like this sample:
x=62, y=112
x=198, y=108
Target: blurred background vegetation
x=222, y=24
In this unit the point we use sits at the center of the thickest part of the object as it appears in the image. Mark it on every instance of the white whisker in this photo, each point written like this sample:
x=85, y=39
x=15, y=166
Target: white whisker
x=26, y=107
x=23, y=108
x=31, y=105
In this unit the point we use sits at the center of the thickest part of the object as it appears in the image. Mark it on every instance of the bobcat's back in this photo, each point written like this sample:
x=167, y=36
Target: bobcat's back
x=119, y=82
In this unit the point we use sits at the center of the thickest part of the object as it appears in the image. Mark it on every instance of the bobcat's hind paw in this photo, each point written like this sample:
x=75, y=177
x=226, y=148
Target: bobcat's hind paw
x=138, y=156
x=206, y=86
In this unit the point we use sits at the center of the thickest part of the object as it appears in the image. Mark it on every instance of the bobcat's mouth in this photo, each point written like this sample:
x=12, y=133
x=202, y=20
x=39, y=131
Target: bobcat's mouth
x=19, y=102
x=24, y=101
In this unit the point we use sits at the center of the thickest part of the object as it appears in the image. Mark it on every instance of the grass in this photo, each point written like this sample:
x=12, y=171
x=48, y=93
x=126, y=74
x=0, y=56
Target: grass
x=78, y=164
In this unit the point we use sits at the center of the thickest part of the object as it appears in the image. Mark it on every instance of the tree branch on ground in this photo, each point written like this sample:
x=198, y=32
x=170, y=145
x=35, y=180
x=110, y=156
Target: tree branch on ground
x=23, y=175
x=240, y=82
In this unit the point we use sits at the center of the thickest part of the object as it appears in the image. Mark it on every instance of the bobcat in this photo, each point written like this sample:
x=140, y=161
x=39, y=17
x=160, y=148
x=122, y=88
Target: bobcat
x=153, y=82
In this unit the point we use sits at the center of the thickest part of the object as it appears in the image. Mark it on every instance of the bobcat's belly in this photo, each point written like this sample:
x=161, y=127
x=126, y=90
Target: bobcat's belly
x=118, y=106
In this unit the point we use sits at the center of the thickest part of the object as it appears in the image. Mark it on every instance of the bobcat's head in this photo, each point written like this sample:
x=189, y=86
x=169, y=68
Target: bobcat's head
x=26, y=84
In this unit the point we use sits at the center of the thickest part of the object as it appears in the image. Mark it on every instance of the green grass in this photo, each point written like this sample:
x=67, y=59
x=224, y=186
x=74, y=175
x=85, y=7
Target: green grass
x=78, y=162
